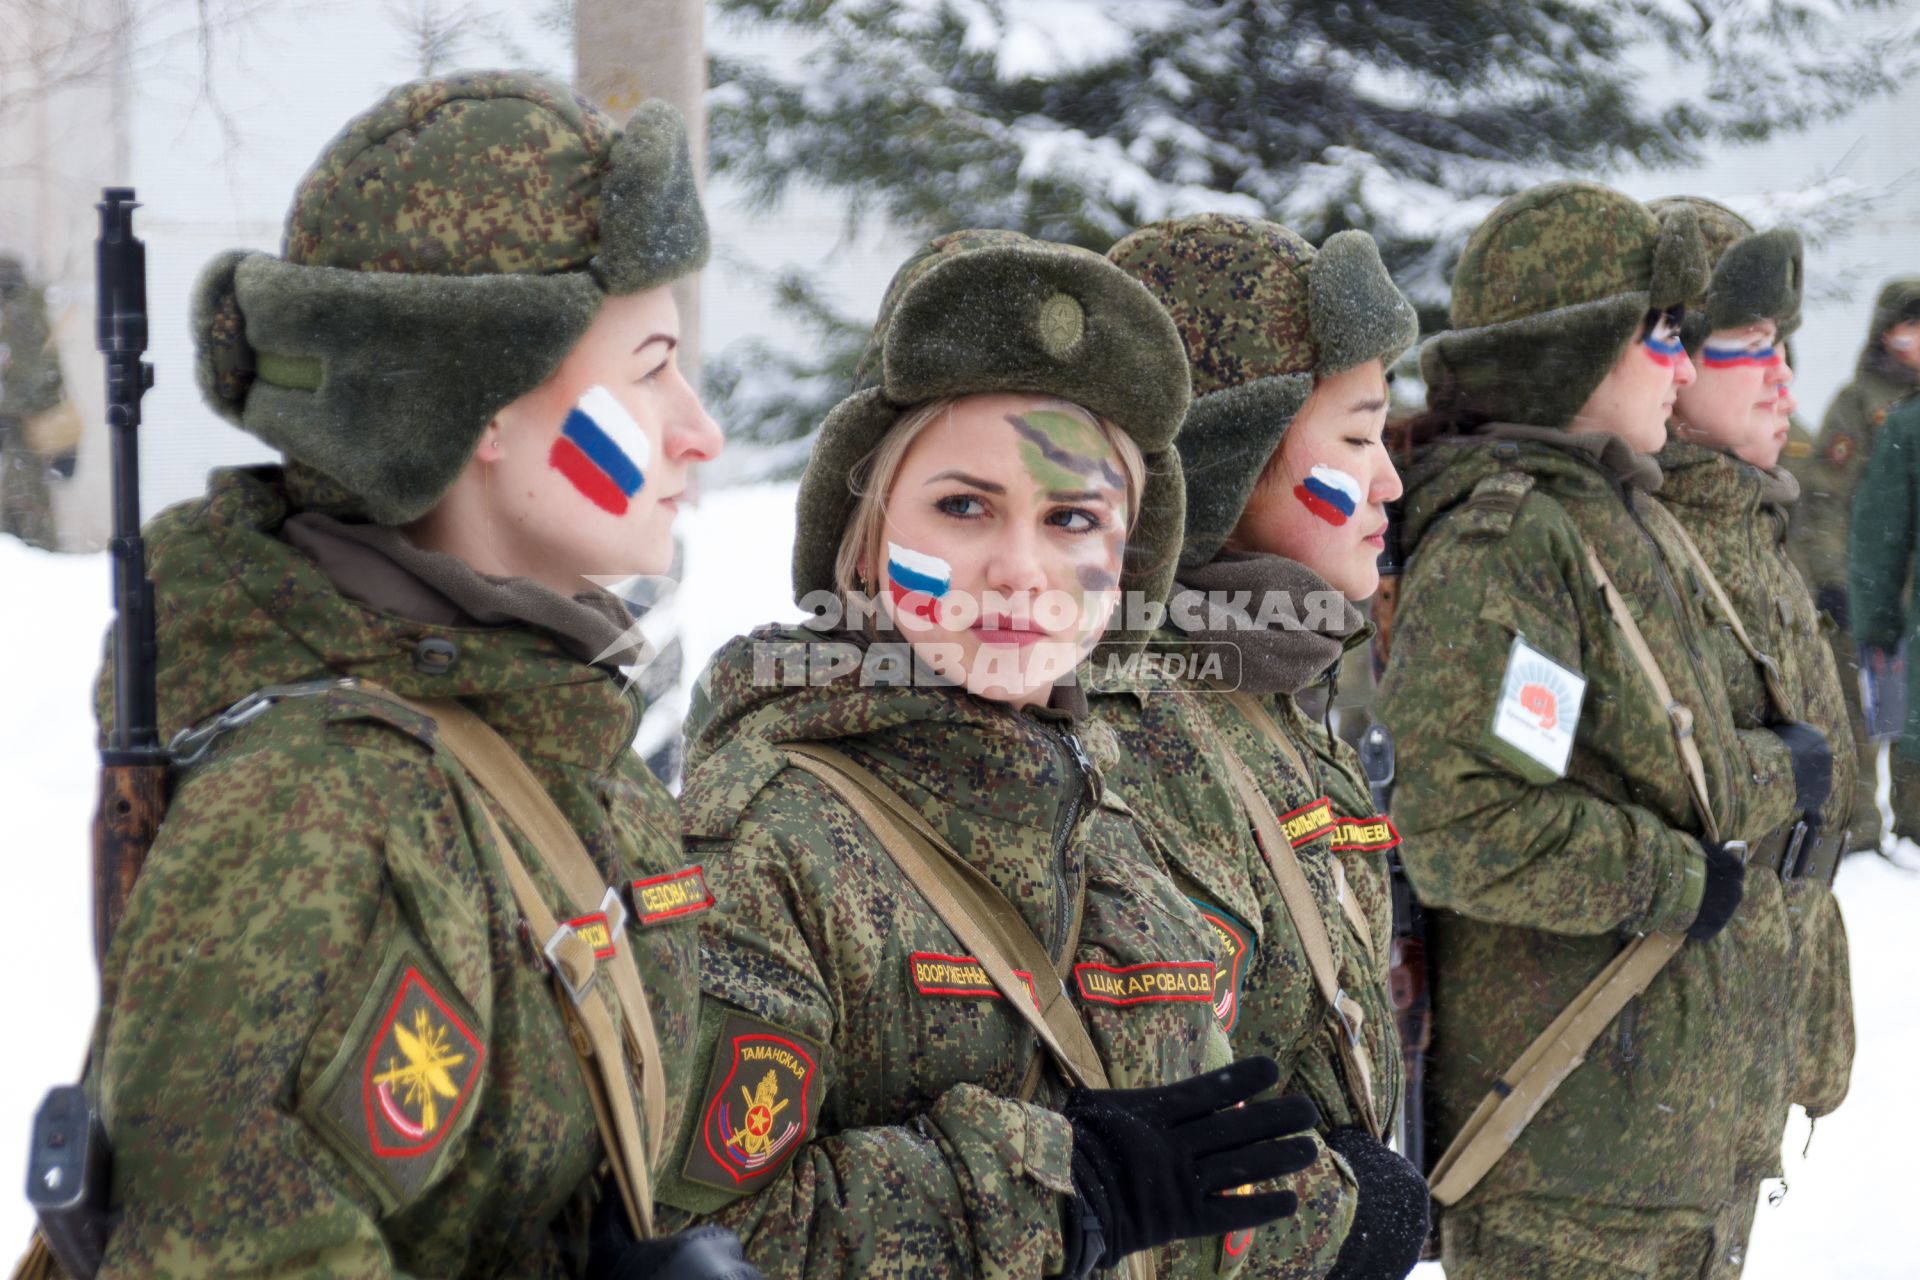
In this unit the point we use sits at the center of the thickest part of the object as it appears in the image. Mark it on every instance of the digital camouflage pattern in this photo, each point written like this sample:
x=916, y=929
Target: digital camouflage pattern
x=1172, y=775
x=1738, y=516
x=1555, y=246
x=30, y=389
x=923, y=1160
x=321, y=886
x=1542, y=880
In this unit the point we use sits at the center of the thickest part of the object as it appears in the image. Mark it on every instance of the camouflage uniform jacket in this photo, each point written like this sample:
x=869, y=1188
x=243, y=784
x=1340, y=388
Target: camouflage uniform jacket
x=1885, y=546
x=326, y=1047
x=1171, y=775
x=1831, y=476
x=1738, y=515
x=1547, y=875
x=899, y=1142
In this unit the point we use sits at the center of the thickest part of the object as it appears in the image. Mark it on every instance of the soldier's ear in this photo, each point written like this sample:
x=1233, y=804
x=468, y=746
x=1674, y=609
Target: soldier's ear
x=492, y=446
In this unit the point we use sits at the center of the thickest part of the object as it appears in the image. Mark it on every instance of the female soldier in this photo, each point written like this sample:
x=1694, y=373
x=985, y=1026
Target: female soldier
x=1723, y=486
x=328, y=1041
x=1286, y=485
x=1000, y=474
x=1570, y=771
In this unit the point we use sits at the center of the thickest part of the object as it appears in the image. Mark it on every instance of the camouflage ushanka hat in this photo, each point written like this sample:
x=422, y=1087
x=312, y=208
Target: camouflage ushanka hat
x=442, y=256
x=1757, y=275
x=1262, y=314
x=981, y=311
x=1551, y=288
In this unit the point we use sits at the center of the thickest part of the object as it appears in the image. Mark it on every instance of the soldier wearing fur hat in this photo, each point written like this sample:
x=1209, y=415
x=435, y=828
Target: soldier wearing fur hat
x=956, y=1020
x=1574, y=785
x=1287, y=480
x=329, y=1040
x=1723, y=483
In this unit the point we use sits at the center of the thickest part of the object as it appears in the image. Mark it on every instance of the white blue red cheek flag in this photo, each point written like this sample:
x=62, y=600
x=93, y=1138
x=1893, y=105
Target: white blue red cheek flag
x=1329, y=493
x=602, y=451
x=916, y=580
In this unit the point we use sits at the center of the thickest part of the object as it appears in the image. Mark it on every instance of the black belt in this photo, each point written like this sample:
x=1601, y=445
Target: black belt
x=1799, y=851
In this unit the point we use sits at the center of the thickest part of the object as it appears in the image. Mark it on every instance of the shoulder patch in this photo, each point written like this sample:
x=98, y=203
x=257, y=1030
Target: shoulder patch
x=762, y=1097
x=402, y=1083
x=1236, y=957
x=659, y=899
x=1159, y=982
x=1308, y=822
x=719, y=791
x=1489, y=510
x=1840, y=448
x=1364, y=835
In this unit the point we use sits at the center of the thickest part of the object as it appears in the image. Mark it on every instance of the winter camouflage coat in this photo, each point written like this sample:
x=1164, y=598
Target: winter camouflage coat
x=1885, y=547
x=901, y=1145
x=1738, y=515
x=1172, y=775
x=1545, y=877
x=327, y=1047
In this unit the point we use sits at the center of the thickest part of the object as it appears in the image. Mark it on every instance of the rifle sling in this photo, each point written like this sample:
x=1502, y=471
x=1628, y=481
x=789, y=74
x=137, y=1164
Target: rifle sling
x=1525, y=1087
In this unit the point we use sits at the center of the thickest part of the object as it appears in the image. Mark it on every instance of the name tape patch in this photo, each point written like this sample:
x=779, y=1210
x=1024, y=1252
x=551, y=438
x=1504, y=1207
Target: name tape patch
x=1364, y=835
x=1158, y=983
x=763, y=1092
x=934, y=974
x=594, y=932
x=668, y=897
x=1539, y=707
x=1308, y=822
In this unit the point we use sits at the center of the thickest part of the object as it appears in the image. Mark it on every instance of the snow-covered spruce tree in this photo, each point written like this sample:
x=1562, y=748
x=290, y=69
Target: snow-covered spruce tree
x=1079, y=120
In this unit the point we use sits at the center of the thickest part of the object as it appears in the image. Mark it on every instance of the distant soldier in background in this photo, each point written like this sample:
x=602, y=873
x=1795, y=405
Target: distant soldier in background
x=36, y=436
x=1889, y=370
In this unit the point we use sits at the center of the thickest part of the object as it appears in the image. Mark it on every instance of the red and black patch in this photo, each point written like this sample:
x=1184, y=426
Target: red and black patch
x=1159, y=983
x=595, y=932
x=1840, y=449
x=1236, y=949
x=933, y=974
x=1364, y=835
x=763, y=1093
x=669, y=897
x=419, y=1071
x=1308, y=822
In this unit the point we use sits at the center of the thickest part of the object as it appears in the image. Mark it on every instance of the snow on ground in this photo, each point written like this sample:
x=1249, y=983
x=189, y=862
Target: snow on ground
x=1836, y=1220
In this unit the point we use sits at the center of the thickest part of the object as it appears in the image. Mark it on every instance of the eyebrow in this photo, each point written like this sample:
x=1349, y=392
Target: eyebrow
x=976, y=482
x=1368, y=406
x=1079, y=495
x=667, y=338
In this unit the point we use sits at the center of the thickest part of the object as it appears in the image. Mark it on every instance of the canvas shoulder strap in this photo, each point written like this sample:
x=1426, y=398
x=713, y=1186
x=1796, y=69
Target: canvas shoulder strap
x=1769, y=668
x=1525, y=1087
x=608, y=1057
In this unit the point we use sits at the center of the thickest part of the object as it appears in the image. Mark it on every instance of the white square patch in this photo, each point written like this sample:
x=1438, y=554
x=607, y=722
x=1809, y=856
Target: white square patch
x=1539, y=707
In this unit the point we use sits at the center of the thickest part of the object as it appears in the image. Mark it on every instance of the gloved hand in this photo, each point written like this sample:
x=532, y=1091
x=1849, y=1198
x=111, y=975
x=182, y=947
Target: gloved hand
x=699, y=1253
x=1726, y=885
x=1390, y=1223
x=1156, y=1165
x=1832, y=600
x=1812, y=763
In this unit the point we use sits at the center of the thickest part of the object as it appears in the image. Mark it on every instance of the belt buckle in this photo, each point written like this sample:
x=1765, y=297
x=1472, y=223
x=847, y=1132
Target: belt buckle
x=578, y=994
x=1790, y=856
x=1736, y=847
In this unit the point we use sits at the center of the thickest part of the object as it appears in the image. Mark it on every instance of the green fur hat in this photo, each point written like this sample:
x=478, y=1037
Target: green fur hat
x=442, y=256
x=1757, y=275
x=980, y=311
x=1551, y=288
x=1899, y=301
x=1262, y=314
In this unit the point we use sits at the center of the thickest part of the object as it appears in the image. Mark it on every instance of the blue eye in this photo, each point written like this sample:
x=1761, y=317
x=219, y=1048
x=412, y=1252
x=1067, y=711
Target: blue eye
x=961, y=506
x=1076, y=520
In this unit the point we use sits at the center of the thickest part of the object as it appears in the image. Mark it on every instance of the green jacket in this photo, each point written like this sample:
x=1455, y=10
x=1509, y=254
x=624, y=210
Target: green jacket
x=906, y=1147
x=1171, y=774
x=1543, y=877
x=325, y=1045
x=1738, y=516
x=1886, y=529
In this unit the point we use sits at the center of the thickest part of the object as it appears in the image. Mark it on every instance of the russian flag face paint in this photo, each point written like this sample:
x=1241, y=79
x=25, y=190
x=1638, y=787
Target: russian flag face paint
x=603, y=451
x=1329, y=493
x=916, y=580
x=1735, y=355
x=1663, y=345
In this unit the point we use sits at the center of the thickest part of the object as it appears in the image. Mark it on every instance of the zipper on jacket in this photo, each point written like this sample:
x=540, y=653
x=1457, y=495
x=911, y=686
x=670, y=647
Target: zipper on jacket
x=1074, y=760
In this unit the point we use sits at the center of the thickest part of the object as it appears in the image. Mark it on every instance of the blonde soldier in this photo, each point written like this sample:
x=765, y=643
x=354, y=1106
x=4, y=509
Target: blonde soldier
x=1572, y=784
x=1286, y=485
x=924, y=866
x=1723, y=485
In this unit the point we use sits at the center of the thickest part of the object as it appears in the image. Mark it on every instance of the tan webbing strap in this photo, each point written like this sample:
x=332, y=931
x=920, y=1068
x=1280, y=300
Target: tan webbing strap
x=492, y=762
x=987, y=925
x=1769, y=669
x=591, y=1029
x=1258, y=716
x=1526, y=1086
x=1304, y=910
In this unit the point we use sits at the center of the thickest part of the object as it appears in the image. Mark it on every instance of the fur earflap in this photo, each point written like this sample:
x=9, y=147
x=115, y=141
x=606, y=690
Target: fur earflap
x=1357, y=312
x=1537, y=370
x=652, y=229
x=1224, y=449
x=1680, y=271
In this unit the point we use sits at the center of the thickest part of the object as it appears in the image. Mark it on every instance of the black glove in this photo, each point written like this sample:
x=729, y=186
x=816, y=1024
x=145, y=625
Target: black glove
x=1152, y=1165
x=1832, y=601
x=1390, y=1223
x=1812, y=763
x=700, y=1253
x=1726, y=884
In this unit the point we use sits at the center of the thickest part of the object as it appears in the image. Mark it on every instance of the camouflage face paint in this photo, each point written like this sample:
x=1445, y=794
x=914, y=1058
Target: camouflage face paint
x=1064, y=452
x=602, y=451
x=1329, y=493
x=1662, y=343
x=917, y=581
